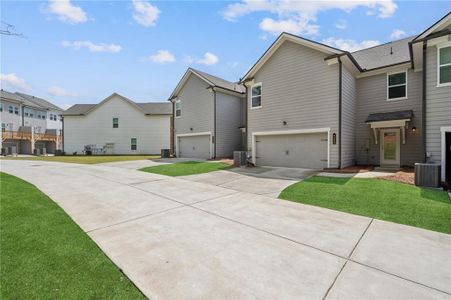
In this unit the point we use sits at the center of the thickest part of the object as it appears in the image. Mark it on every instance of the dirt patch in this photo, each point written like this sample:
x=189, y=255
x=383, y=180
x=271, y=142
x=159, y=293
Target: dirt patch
x=405, y=175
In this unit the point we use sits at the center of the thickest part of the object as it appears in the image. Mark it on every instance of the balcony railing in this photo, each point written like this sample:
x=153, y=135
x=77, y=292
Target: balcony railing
x=16, y=135
x=22, y=135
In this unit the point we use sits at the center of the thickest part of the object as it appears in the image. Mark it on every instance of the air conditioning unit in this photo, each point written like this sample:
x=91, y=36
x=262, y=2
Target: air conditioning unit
x=427, y=174
x=240, y=158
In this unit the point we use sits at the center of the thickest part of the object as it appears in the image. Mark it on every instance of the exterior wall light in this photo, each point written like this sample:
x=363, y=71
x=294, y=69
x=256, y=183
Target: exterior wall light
x=334, y=138
x=414, y=129
x=284, y=123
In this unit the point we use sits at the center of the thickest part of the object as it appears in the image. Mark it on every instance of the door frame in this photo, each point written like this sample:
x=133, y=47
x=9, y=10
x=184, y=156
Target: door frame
x=443, y=131
x=398, y=147
x=177, y=136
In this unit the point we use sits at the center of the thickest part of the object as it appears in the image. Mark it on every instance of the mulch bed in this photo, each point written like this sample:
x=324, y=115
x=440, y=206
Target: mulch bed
x=405, y=175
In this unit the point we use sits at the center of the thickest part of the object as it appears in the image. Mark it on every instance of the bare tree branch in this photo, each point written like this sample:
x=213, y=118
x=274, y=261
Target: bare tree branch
x=9, y=29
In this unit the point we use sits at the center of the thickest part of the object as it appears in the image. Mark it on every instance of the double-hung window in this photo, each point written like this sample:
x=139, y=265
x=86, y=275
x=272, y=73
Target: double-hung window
x=444, y=65
x=178, y=108
x=133, y=143
x=256, y=95
x=16, y=110
x=115, y=122
x=397, y=86
x=11, y=109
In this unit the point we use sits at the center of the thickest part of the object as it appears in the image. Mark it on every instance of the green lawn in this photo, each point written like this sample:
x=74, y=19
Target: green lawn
x=376, y=198
x=187, y=168
x=86, y=159
x=45, y=255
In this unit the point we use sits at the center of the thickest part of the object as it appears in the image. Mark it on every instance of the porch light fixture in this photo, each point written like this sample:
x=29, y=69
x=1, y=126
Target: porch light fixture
x=284, y=123
x=334, y=138
x=414, y=129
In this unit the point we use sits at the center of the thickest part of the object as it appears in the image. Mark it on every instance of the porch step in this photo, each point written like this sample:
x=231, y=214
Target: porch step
x=387, y=169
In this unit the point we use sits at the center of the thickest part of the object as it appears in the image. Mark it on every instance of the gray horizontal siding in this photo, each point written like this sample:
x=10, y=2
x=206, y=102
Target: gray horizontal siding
x=197, y=107
x=438, y=106
x=349, y=95
x=229, y=118
x=297, y=87
x=372, y=98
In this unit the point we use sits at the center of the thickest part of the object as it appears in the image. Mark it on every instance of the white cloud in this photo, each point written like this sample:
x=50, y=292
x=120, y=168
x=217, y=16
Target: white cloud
x=397, y=34
x=349, y=45
x=77, y=45
x=14, y=81
x=300, y=16
x=66, y=11
x=145, y=14
x=162, y=57
x=58, y=91
x=292, y=26
x=208, y=59
x=341, y=24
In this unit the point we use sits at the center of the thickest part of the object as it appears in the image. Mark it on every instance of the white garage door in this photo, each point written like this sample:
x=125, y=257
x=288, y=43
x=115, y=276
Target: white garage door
x=307, y=150
x=197, y=146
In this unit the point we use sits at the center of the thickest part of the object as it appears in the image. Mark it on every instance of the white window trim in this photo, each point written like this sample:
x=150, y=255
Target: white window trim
x=440, y=46
x=443, y=131
x=389, y=86
x=285, y=132
x=136, y=144
x=261, y=96
x=175, y=108
x=177, y=136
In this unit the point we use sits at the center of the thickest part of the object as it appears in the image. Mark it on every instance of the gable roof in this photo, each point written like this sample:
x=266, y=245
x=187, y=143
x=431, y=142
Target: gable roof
x=39, y=101
x=387, y=54
x=150, y=108
x=16, y=97
x=437, y=26
x=213, y=81
x=283, y=37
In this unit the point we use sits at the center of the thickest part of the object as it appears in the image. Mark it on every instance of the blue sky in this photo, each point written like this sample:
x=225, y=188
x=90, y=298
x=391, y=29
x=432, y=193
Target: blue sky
x=82, y=51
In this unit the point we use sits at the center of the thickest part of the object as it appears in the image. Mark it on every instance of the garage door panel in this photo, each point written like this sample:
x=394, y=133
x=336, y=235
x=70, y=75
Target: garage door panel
x=292, y=150
x=194, y=146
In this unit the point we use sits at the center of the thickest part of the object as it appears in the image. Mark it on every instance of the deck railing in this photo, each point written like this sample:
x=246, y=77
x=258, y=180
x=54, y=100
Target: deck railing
x=22, y=135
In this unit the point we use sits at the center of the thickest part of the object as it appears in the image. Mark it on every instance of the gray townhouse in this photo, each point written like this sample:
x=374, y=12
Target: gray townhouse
x=309, y=105
x=314, y=106
x=29, y=123
x=209, y=116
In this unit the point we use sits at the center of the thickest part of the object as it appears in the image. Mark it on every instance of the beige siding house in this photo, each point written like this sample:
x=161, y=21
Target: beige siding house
x=207, y=116
x=117, y=125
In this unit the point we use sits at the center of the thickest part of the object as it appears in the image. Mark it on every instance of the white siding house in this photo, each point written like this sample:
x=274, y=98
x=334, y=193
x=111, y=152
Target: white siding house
x=117, y=125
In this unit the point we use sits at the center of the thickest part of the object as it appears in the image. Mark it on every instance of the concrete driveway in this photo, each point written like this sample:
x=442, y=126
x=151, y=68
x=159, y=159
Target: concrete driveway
x=180, y=239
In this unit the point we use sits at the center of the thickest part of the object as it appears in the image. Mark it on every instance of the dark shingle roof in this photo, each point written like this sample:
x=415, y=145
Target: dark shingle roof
x=149, y=108
x=222, y=83
x=383, y=55
x=78, y=109
x=41, y=102
x=15, y=97
x=390, y=116
x=156, y=108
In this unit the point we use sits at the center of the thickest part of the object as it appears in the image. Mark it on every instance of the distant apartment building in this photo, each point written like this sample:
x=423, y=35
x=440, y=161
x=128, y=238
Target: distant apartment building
x=29, y=124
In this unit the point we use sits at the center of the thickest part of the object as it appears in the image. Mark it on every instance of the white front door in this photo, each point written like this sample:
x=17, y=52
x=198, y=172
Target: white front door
x=390, y=147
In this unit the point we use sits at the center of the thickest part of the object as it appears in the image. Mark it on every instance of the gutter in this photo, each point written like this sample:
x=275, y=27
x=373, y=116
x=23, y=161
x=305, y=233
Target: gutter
x=62, y=119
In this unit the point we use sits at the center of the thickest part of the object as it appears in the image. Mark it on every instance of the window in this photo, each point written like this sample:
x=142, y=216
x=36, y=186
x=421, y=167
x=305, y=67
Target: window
x=16, y=110
x=10, y=109
x=3, y=126
x=178, y=108
x=115, y=122
x=256, y=95
x=444, y=65
x=397, y=86
x=1, y=107
x=133, y=143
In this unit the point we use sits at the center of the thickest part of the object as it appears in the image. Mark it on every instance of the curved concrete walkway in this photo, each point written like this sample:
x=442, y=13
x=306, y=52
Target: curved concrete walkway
x=181, y=239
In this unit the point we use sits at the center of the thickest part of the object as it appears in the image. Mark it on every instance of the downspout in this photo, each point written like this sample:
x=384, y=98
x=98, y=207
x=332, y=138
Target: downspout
x=172, y=133
x=23, y=116
x=423, y=104
x=245, y=119
x=214, y=122
x=62, y=130
x=340, y=105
